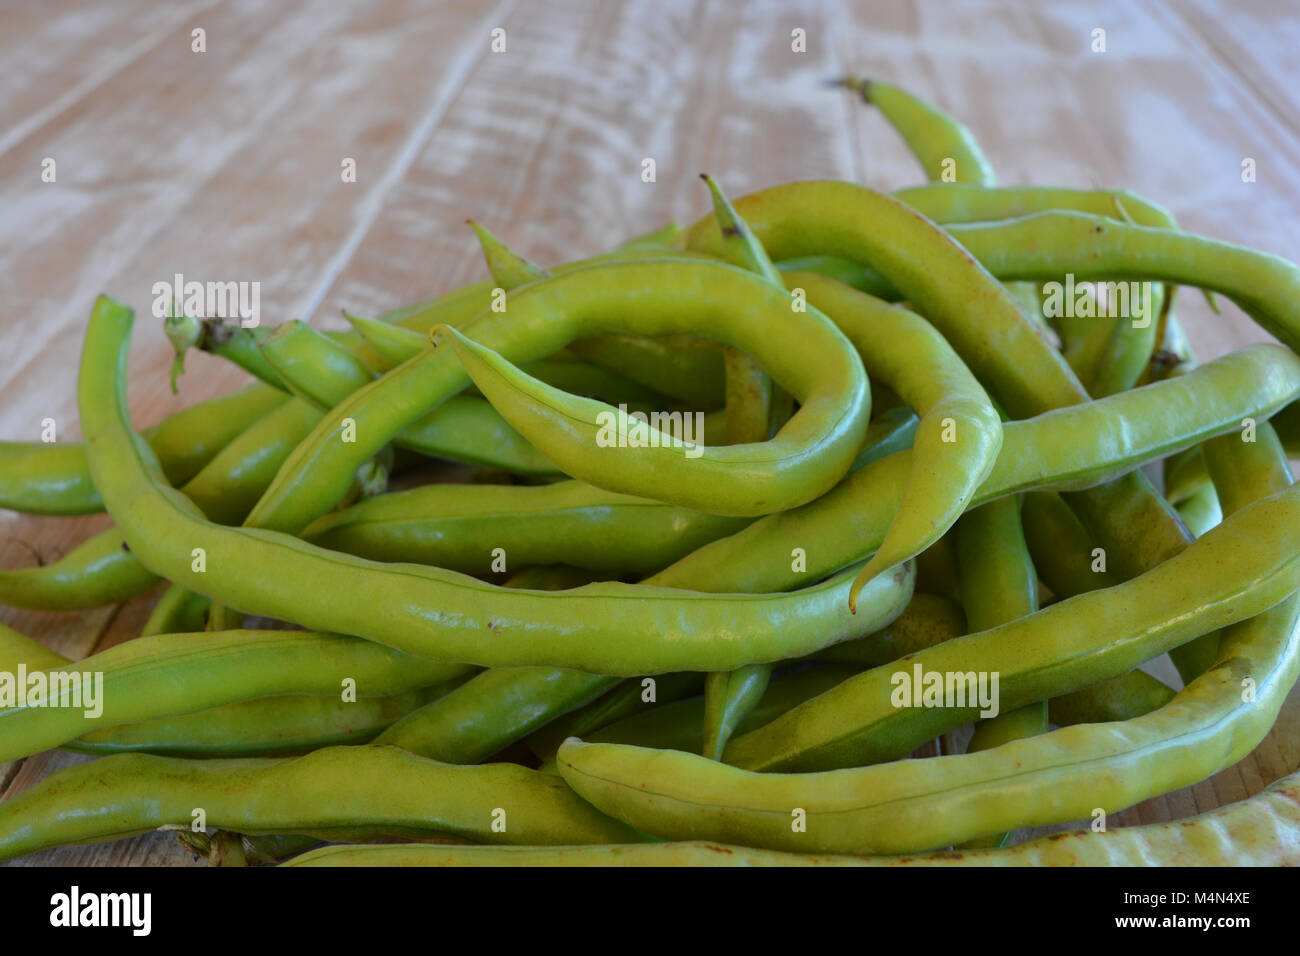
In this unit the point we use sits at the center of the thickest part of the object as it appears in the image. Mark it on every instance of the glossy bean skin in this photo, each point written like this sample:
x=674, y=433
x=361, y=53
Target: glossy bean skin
x=463, y=428
x=1261, y=831
x=255, y=727
x=174, y=674
x=99, y=571
x=806, y=457
x=1049, y=244
x=178, y=611
x=1064, y=558
x=939, y=277
x=502, y=704
x=686, y=368
x=568, y=522
x=626, y=700
x=493, y=709
x=755, y=408
x=893, y=808
x=1071, y=448
x=960, y=432
x=749, y=388
x=1241, y=568
x=679, y=295
x=53, y=478
x=569, y=373
x=998, y=585
x=935, y=138
x=102, y=570
x=265, y=727
x=1201, y=511
x=949, y=203
x=335, y=793
x=612, y=629
x=929, y=619
x=1022, y=371
x=1122, y=698
x=962, y=202
x=944, y=281
x=679, y=725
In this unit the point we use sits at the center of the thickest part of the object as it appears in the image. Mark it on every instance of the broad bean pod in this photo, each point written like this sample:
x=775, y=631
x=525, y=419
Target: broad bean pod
x=894, y=808
x=54, y=479
x=1239, y=569
x=342, y=793
x=568, y=522
x=612, y=629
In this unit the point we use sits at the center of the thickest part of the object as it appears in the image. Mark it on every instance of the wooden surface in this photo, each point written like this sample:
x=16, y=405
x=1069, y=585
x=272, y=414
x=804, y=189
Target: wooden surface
x=226, y=165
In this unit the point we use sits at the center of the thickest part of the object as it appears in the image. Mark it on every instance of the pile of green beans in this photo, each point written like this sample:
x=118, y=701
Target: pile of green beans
x=765, y=504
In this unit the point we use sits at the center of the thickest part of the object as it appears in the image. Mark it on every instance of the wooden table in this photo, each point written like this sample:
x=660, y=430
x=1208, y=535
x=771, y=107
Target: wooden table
x=226, y=165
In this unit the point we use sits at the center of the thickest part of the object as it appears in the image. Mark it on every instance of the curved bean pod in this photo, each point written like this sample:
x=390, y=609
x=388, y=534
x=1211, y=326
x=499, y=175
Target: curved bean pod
x=334, y=793
x=654, y=297
x=972, y=310
x=1071, y=448
x=1051, y=244
x=176, y=674
x=463, y=428
x=54, y=479
x=247, y=728
x=934, y=137
x=612, y=629
x=586, y=438
x=568, y=522
x=102, y=570
x=1261, y=831
x=1243, y=567
x=266, y=726
x=893, y=808
x=960, y=432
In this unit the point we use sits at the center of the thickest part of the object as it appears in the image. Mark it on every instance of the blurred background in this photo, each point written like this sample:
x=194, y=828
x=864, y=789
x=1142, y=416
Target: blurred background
x=210, y=138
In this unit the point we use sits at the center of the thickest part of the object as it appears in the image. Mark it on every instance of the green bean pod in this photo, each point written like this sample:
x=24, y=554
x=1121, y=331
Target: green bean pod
x=959, y=434
x=1241, y=568
x=654, y=297
x=569, y=374
x=603, y=445
x=174, y=674
x=679, y=725
x=267, y=726
x=1065, y=560
x=1063, y=775
x=628, y=699
x=1201, y=511
x=335, y=793
x=928, y=619
x=247, y=728
x=569, y=522
x=1261, y=831
x=54, y=479
x=102, y=570
x=957, y=295
x=944, y=147
x=462, y=429
x=613, y=629
x=1070, y=448
x=1051, y=244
